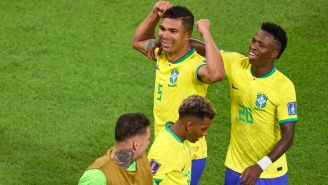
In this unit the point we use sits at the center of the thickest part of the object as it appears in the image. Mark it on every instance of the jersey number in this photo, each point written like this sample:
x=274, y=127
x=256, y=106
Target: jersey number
x=245, y=114
x=159, y=92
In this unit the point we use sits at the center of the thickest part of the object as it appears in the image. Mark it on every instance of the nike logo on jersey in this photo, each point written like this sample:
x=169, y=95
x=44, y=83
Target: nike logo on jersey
x=234, y=87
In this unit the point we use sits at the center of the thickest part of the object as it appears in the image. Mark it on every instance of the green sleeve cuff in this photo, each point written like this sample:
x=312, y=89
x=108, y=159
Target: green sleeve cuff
x=288, y=120
x=150, y=43
x=197, y=69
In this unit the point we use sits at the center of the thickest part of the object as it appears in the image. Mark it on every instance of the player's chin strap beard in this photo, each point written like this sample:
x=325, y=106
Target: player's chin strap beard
x=123, y=157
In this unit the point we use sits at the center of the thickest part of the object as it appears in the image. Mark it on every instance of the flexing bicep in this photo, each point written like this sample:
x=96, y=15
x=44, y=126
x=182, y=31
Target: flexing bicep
x=209, y=75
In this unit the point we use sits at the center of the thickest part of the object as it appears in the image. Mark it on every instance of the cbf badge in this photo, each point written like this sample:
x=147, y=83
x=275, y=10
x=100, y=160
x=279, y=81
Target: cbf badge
x=174, y=76
x=292, y=108
x=261, y=100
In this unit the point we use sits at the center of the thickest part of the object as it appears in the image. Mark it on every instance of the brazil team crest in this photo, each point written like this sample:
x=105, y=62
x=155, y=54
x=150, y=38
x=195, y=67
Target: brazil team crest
x=261, y=100
x=174, y=76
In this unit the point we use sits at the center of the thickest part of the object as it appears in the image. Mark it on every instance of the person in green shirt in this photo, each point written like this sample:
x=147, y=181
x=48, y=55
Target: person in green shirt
x=125, y=162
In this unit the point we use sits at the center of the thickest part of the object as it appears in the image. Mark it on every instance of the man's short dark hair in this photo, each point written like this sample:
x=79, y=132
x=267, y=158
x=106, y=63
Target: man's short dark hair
x=130, y=125
x=196, y=106
x=180, y=12
x=278, y=33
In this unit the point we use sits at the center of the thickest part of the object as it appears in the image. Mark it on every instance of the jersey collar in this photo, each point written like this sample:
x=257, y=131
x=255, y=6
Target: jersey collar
x=274, y=69
x=184, y=57
x=167, y=127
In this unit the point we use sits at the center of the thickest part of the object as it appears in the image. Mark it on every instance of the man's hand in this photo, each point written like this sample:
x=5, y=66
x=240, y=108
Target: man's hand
x=250, y=175
x=151, y=50
x=161, y=6
x=203, y=26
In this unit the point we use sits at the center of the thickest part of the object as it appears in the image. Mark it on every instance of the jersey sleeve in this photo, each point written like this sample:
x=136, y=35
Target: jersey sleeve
x=195, y=75
x=286, y=110
x=230, y=59
x=160, y=163
x=93, y=177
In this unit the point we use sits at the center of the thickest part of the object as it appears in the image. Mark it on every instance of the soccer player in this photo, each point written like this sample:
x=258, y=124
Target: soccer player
x=126, y=162
x=263, y=111
x=169, y=155
x=180, y=70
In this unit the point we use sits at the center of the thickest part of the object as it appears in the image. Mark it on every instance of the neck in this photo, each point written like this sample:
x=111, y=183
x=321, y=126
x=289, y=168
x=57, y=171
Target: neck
x=261, y=71
x=122, y=156
x=172, y=57
x=178, y=129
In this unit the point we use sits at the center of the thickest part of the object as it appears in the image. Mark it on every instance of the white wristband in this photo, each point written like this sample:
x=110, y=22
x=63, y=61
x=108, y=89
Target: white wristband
x=264, y=163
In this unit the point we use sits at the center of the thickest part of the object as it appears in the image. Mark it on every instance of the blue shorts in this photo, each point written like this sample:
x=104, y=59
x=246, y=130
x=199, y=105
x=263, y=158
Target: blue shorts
x=197, y=168
x=232, y=178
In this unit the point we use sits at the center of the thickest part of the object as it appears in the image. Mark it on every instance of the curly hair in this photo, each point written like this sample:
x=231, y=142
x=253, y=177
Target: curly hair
x=196, y=106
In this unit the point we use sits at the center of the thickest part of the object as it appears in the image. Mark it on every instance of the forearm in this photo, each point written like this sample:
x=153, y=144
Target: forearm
x=280, y=148
x=213, y=58
x=145, y=31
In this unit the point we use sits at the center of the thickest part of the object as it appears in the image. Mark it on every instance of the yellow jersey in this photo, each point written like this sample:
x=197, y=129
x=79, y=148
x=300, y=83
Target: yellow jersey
x=174, y=82
x=170, y=159
x=258, y=106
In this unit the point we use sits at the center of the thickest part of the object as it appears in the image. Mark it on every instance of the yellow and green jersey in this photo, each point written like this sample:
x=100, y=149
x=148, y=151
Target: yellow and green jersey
x=174, y=82
x=258, y=106
x=170, y=159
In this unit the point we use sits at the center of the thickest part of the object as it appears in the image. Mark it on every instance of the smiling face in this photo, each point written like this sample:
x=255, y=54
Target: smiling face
x=173, y=35
x=198, y=128
x=263, y=50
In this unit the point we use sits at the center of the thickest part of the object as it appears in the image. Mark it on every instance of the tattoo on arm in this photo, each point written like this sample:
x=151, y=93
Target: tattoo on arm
x=124, y=158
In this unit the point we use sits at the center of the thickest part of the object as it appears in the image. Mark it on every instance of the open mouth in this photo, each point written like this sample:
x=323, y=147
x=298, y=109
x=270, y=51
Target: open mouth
x=251, y=55
x=166, y=44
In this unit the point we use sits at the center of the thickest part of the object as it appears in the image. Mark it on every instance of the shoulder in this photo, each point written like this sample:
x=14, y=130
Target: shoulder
x=94, y=177
x=283, y=80
x=197, y=58
x=232, y=54
x=163, y=146
x=234, y=58
x=162, y=141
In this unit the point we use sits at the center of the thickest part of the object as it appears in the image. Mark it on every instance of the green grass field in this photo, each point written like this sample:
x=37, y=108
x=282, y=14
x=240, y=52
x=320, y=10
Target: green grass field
x=67, y=71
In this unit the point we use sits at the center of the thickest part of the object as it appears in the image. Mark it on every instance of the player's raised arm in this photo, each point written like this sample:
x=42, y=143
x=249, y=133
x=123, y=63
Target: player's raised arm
x=214, y=70
x=146, y=30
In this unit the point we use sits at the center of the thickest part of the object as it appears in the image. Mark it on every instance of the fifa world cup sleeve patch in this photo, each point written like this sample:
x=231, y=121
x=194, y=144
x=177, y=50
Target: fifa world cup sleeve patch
x=291, y=108
x=154, y=166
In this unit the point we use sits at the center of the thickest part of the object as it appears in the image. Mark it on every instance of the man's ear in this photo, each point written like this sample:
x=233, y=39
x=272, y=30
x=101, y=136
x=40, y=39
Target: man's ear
x=188, y=126
x=135, y=145
x=275, y=54
x=187, y=35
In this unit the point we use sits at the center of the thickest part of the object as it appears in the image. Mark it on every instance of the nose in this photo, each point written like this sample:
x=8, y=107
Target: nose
x=164, y=34
x=253, y=46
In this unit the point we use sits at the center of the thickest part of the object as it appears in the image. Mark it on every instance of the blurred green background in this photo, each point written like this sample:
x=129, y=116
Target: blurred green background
x=67, y=71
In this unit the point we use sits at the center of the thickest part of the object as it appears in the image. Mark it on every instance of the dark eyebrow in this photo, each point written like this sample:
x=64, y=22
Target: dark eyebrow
x=173, y=29
x=257, y=40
